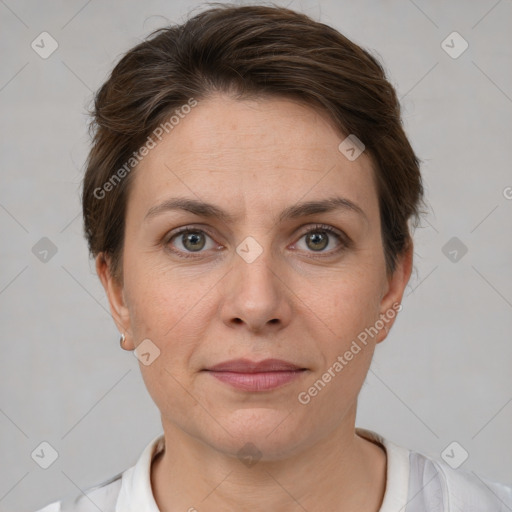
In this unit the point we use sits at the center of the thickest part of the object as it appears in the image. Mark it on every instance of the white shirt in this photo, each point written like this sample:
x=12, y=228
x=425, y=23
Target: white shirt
x=415, y=483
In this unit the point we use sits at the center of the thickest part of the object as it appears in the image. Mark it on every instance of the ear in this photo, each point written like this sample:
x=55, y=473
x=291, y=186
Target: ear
x=116, y=298
x=393, y=294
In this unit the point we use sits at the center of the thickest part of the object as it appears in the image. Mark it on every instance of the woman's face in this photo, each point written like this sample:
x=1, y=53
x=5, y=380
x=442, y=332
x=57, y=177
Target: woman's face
x=248, y=282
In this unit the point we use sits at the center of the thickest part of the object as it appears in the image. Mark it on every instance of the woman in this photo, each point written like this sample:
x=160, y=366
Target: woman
x=247, y=198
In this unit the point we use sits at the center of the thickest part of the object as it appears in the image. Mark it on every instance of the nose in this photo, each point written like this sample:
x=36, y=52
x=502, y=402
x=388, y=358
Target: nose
x=256, y=296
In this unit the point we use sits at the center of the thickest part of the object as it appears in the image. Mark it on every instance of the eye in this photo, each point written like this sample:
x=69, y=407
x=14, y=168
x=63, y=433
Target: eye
x=321, y=236
x=189, y=240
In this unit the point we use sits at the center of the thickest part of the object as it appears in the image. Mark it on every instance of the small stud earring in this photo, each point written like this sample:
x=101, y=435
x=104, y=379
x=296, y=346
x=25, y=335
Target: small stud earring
x=122, y=340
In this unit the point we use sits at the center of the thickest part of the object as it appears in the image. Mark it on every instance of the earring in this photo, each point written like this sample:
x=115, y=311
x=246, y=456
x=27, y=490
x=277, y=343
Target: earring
x=122, y=340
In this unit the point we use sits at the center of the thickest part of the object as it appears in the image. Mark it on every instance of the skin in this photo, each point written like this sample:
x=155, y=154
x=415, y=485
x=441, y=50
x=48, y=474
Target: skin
x=253, y=159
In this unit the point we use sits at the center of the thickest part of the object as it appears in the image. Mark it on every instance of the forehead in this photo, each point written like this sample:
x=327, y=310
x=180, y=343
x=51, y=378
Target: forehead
x=259, y=152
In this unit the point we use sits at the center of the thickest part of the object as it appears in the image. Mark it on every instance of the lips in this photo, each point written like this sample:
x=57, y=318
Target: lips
x=247, y=375
x=248, y=366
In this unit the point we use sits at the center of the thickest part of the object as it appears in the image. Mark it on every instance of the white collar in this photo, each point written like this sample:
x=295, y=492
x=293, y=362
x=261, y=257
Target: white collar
x=136, y=494
x=397, y=472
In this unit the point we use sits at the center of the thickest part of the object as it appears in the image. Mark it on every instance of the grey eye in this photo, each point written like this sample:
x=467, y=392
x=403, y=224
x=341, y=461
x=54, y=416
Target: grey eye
x=193, y=241
x=317, y=240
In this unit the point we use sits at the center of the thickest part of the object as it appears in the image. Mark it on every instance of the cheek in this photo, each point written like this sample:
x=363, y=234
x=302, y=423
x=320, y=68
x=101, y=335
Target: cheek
x=155, y=300
x=172, y=311
x=348, y=307
x=165, y=316
x=349, y=304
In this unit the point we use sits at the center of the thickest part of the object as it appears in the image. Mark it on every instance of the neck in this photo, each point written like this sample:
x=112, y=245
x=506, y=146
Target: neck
x=342, y=472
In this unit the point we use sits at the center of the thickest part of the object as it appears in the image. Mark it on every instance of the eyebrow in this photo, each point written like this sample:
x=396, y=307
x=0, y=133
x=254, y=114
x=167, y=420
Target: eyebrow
x=209, y=210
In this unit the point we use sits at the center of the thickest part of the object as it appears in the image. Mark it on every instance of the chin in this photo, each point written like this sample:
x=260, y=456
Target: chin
x=260, y=433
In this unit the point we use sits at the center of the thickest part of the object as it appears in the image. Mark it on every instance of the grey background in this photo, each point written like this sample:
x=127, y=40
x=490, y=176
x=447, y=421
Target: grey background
x=442, y=375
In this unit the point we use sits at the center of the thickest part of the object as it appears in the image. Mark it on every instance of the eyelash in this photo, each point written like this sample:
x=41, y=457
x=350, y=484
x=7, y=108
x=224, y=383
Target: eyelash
x=344, y=241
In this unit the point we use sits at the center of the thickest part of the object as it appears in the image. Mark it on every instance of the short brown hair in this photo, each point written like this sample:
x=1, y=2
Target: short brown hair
x=247, y=51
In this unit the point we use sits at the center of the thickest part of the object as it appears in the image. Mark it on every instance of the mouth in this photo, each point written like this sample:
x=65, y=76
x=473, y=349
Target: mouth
x=253, y=376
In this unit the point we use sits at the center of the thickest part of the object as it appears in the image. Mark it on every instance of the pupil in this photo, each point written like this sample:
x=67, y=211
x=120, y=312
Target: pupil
x=193, y=238
x=316, y=237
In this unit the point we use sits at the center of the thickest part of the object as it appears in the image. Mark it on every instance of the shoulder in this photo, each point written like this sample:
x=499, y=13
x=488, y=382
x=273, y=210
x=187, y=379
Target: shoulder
x=419, y=483
x=440, y=487
x=128, y=490
x=102, y=497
